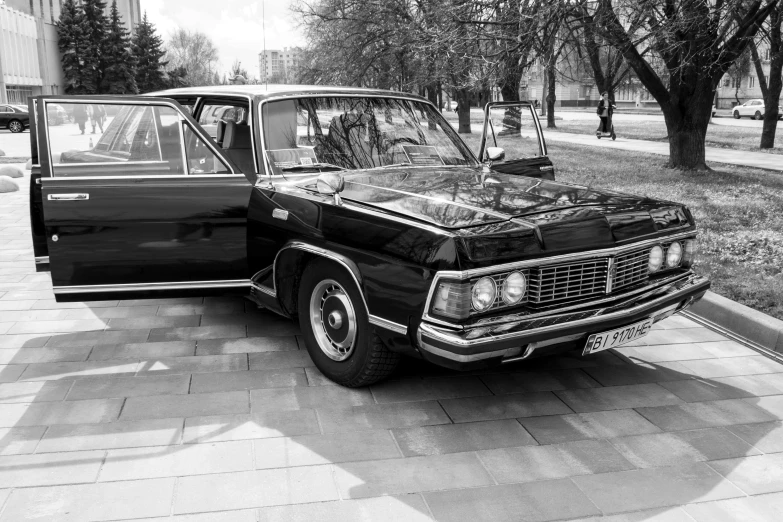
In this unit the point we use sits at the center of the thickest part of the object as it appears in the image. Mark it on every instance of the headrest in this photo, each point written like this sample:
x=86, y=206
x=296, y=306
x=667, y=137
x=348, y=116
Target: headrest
x=237, y=136
x=220, y=133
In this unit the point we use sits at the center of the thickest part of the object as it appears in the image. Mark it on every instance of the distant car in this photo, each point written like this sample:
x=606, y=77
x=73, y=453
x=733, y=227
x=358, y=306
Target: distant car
x=714, y=110
x=753, y=109
x=57, y=115
x=14, y=118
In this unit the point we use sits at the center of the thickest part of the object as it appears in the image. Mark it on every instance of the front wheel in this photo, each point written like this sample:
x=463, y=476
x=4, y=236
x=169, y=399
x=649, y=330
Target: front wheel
x=736, y=115
x=758, y=115
x=336, y=328
x=15, y=126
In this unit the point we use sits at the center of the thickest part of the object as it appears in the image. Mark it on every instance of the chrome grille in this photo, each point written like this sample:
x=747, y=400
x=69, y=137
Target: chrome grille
x=631, y=268
x=553, y=283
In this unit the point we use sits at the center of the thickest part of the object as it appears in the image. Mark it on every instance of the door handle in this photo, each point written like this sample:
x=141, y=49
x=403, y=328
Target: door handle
x=68, y=197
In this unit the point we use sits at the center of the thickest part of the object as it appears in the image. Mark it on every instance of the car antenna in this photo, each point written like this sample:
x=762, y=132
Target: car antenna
x=263, y=30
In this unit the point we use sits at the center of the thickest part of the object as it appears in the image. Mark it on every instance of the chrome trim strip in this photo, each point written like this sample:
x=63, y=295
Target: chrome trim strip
x=119, y=178
x=458, y=343
x=389, y=325
x=42, y=260
x=545, y=261
x=263, y=289
x=68, y=197
x=457, y=357
x=131, y=287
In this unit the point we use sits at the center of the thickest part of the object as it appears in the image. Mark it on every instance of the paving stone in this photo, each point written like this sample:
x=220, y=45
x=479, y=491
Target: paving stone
x=275, y=360
x=766, y=436
x=670, y=449
x=243, y=515
x=247, y=345
x=18, y=471
x=410, y=508
x=23, y=341
x=72, y=370
x=670, y=514
x=758, y=508
x=42, y=391
x=108, y=387
x=51, y=327
x=759, y=385
x=43, y=355
x=685, y=352
x=698, y=390
x=107, y=501
x=504, y=406
x=641, y=373
x=656, y=487
x=116, y=312
x=11, y=372
x=534, y=463
x=681, y=336
x=247, y=489
x=253, y=426
x=274, y=399
x=382, y=416
x=316, y=378
x=111, y=337
x=19, y=441
x=197, y=333
x=569, y=361
x=163, y=406
x=47, y=413
x=308, y=450
x=373, y=478
x=695, y=415
x=163, y=302
x=526, y=382
x=422, y=389
x=771, y=405
x=123, y=434
x=144, y=350
x=136, y=323
x=177, y=461
x=556, y=429
x=753, y=475
x=711, y=368
x=236, y=307
x=277, y=327
x=228, y=381
x=194, y=364
x=455, y=438
x=617, y=397
x=27, y=304
x=533, y=502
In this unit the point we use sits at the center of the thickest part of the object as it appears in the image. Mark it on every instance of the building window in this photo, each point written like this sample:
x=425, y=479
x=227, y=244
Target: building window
x=726, y=82
x=751, y=82
x=766, y=54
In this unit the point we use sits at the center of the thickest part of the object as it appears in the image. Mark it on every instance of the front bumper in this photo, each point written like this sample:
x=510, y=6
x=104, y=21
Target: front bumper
x=481, y=346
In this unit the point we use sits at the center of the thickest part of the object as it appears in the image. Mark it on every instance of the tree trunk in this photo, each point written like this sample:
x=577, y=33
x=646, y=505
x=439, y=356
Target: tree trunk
x=686, y=142
x=463, y=110
x=772, y=97
x=551, y=97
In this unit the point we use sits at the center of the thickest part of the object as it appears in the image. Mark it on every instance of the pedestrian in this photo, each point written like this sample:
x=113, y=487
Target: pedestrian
x=80, y=116
x=98, y=115
x=605, y=110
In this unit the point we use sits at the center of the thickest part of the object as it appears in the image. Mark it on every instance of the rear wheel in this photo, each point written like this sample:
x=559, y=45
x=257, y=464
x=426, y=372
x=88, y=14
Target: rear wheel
x=15, y=126
x=336, y=328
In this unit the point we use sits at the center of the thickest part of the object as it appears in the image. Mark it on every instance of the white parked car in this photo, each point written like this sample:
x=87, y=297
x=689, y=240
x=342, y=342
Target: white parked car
x=753, y=109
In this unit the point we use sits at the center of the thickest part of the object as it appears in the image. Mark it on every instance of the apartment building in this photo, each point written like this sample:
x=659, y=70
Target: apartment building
x=276, y=66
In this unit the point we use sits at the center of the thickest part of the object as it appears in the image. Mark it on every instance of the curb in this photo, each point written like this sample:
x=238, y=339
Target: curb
x=754, y=328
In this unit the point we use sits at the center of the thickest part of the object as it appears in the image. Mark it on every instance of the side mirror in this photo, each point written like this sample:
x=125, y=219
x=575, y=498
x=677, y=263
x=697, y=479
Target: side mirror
x=495, y=153
x=331, y=184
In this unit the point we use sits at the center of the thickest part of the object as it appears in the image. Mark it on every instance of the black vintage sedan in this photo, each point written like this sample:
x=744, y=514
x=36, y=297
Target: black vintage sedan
x=361, y=214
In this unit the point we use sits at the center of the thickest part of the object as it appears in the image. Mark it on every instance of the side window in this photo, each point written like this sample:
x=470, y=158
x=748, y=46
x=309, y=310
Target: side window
x=115, y=139
x=213, y=113
x=201, y=160
x=514, y=130
x=4, y=108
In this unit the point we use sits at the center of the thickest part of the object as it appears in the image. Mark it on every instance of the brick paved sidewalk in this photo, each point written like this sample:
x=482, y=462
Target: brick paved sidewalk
x=207, y=409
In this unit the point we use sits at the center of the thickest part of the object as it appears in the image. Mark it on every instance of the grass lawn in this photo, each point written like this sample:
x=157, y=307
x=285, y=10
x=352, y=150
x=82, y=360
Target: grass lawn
x=739, y=212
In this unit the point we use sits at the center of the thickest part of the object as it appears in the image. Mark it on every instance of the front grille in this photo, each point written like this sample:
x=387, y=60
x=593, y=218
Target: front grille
x=571, y=281
x=631, y=268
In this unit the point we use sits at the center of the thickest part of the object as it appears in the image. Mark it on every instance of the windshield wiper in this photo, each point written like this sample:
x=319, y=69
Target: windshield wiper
x=312, y=166
x=396, y=165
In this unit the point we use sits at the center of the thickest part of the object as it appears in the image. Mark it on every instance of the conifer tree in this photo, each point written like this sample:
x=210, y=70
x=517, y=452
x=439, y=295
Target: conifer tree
x=119, y=62
x=94, y=27
x=147, y=48
x=71, y=42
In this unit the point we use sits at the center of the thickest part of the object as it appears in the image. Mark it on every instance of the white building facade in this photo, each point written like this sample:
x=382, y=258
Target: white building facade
x=276, y=66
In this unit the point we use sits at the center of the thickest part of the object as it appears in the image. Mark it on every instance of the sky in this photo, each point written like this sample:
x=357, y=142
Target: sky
x=235, y=26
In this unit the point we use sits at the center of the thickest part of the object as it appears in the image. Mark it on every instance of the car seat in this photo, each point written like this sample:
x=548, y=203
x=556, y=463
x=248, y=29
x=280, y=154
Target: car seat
x=238, y=145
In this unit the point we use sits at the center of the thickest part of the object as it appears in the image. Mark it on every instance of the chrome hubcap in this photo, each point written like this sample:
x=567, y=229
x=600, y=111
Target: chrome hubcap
x=15, y=126
x=333, y=320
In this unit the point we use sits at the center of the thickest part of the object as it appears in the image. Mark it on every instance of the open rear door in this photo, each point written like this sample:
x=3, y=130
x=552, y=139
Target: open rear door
x=136, y=200
x=514, y=127
x=40, y=249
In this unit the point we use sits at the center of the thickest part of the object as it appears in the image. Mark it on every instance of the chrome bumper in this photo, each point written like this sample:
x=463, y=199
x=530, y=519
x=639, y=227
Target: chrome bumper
x=512, y=339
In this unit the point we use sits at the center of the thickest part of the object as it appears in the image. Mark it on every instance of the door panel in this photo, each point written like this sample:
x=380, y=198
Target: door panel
x=514, y=127
x=143, y=207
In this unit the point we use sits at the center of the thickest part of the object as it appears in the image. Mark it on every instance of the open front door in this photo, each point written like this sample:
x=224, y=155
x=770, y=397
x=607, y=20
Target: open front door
x=514, y=127
x=137, y=200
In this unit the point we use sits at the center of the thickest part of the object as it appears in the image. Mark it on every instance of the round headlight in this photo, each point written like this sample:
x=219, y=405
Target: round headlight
x=514, y=288
x=656, y=258
x=674, y=254
x=483, y=294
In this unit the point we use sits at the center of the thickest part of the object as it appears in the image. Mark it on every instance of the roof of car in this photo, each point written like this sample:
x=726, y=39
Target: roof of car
x=274, y=90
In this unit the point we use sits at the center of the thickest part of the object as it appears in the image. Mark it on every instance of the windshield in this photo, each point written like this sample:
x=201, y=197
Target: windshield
x=305, y=135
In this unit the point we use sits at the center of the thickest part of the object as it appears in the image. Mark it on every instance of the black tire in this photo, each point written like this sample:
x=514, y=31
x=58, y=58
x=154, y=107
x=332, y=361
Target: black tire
x=758, y=115
x=369, y=360
x=736, y=115
x=15, y=126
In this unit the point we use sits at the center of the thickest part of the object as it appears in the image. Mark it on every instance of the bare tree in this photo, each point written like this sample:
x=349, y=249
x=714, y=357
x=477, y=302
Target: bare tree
x=771, y=87
x=696, y=41
x=195, y=53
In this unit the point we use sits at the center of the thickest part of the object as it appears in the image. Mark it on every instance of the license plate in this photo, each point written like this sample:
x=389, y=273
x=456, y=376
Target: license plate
x=605, y=340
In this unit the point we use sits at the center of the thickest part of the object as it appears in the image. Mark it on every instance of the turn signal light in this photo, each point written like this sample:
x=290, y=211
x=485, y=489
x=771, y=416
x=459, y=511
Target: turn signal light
x=452, y=299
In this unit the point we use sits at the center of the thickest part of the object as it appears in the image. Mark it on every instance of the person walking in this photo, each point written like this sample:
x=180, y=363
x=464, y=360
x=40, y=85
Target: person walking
x=605, y=110
x=98, y=115
x=80, y=116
